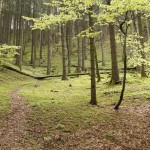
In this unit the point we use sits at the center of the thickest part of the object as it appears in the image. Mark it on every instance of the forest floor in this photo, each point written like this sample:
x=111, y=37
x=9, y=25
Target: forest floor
x=55, y=115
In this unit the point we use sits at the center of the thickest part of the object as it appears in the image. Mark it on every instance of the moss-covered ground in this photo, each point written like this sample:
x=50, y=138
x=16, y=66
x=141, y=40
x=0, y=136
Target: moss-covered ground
x=61, y=108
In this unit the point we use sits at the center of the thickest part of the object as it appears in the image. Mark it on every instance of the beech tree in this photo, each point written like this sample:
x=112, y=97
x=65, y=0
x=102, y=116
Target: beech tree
x=114, y=62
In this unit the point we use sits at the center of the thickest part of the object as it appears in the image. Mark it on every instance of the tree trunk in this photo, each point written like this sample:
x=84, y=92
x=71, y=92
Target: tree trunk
x=69, y=43
x=92, y=57
x=143, y=72
x=114, y=63
x=34, y=49
x=64, y=76
x=147, y=27
x=83, y=53
x=49, y=53
x=79, y=48
x=14, y=30
x=97, y=68
x=22, y=45
x=125, y=71
x=1, y=22
x=84, y=45
x=40, y=47
x=102, y=48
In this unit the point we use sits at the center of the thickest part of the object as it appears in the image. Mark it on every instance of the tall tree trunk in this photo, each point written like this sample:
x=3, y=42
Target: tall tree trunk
x=114, y=63
x=92, y=57
x=22, y=45
x=17, y=31
x=49, y=53
x=143, y=72
x=14, y=30
x=1, y=22
x=34, y=50
x=97, y=68
x=40, y=47
x=125, y=69
x=102, y=48
x=69, y=43
x=103, y=55
x=79, y=48
x=84, y=44
x=64, y=75
x=148, y=28
x=10, y=29
x=83, y=53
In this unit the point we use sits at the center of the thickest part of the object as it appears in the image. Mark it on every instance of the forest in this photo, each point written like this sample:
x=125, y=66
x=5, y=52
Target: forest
x=74, y=74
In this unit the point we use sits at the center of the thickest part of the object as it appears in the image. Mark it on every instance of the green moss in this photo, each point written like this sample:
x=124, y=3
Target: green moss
x=56, y=102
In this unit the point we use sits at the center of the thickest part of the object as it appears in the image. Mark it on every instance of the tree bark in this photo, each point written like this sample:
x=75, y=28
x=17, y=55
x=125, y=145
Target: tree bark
x=97, y=68
x=102, y=48
x=92, y=57
x=125, y=71
x=69, y=43
x=147, y=27
x=83, y=44
x=40, y=47
x=64, y=76
x=114, y=63
x=143, y=72
x=49, y=53
x=79, y=48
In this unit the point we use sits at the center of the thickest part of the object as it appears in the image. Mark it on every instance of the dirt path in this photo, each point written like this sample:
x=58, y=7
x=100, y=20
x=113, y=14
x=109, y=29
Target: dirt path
x=14, y=126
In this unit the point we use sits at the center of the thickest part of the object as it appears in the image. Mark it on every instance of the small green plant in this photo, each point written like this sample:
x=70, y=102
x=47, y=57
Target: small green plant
x=60, y=126
x=7, y=53
x=47, y=138
x=109, y=134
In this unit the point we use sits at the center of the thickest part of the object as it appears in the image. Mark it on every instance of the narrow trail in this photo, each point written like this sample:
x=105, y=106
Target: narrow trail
x=14, y=130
